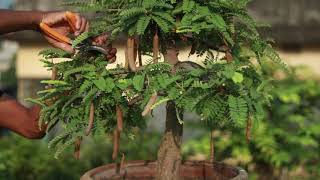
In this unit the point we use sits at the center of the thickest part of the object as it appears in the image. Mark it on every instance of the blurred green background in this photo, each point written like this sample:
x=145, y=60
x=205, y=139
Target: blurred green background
x=285, y=145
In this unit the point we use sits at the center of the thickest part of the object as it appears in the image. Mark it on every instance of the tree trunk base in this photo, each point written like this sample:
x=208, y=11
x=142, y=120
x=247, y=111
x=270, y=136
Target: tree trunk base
x=169, y=154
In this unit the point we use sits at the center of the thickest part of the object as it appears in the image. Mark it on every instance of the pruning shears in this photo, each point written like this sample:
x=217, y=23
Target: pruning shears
x=86, y=45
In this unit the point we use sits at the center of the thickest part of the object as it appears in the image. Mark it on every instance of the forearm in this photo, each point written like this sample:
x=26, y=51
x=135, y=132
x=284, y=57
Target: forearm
x=12, y=21
x=20, y=119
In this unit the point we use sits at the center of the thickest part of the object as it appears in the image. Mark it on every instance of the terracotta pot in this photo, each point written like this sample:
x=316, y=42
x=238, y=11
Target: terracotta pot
x=146, y=170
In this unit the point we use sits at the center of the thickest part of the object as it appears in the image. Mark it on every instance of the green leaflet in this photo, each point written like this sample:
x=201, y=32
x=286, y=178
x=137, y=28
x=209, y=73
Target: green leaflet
x=53, y=53
x=237, y=77
x=138, y=82
x=166, y=16
x=101, y=83
x=142, y=24
x=85, y=86
x=82, y=37
x=221, y=25
x=162, y=23
x=124, y=83
x=64, y=146
x=54, y=82
x=35, y=101
x=238, y=110
x=109, y=85
x=229, y=71
x=161, y=101
x=129, y=13
x=188, y=5
x=200, y=84
x=85, y=68
x=47, y=91
x=164, y=80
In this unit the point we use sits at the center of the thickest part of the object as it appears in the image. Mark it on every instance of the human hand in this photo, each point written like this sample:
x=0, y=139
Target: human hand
x=101, y=40
x=23, y=121
x=58, y=21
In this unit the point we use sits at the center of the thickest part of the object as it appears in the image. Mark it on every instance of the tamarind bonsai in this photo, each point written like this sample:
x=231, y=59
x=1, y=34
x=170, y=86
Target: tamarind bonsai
x=227, y=89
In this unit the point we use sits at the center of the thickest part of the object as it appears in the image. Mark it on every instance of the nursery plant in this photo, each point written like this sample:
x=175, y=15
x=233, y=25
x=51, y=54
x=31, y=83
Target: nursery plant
x=227, y=89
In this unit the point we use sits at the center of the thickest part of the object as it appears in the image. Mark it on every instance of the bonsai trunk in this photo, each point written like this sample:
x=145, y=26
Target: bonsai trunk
x=169, y=154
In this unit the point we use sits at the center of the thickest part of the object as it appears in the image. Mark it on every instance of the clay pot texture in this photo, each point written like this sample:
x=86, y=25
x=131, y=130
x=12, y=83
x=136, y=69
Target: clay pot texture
x=146, y=170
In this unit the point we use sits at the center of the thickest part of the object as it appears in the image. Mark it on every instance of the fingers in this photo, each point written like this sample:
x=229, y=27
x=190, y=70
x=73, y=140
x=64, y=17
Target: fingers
x=101, y=39
x=82, y=25
x=112, y=60
x=111, y=57
x=60, y=45
x=78, y=18
x=113, y=51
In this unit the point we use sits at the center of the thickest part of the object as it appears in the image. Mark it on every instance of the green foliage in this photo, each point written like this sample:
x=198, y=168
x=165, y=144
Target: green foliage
x=284, y=144
x=225, y=92
x=78, y=40
x=238, y=110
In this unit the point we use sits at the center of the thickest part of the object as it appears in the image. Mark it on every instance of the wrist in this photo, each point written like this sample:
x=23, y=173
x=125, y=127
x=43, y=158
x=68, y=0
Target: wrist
x=36, y=18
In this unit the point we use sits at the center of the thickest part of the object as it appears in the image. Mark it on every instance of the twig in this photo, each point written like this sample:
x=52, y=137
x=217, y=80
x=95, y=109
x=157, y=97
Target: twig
x=122, y=161
x=119, y=114
x=135, y=100
x=54, y=73
x=155, y=47
x=151, y=102
x=116, y=142
x=131, y=54
x=91, y=119
x=77, y=148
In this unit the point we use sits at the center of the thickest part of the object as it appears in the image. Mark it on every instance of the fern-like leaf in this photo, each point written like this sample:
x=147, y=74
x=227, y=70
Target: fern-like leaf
x=238, y=110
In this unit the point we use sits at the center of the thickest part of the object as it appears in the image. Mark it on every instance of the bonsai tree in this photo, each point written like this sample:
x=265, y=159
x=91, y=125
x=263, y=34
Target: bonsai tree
x=227, y=90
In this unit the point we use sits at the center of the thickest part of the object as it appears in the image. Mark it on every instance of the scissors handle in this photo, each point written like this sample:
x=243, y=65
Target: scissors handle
x=54, y=34
x=72, y=20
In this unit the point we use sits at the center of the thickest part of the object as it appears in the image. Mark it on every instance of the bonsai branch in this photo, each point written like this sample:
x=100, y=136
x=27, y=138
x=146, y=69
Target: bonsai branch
x=119, y=115
x=151, y=102
x=91, y=119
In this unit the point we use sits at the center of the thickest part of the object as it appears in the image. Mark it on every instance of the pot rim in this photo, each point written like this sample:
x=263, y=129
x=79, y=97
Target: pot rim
x=242, y=174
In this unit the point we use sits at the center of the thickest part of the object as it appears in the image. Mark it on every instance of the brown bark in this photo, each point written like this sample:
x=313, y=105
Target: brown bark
x=119, y=114
x=169, y=154
x=77, y=148
x=155, y=47
x=91, y=119
x=131, y=54
x=152, y=101
x=54, y=73
x=171, y=55
x=229, y=57
x=139, y=52
x=116, y=143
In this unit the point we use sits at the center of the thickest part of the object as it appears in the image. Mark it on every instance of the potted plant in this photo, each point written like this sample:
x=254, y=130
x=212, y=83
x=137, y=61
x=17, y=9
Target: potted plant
x=227, y=89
